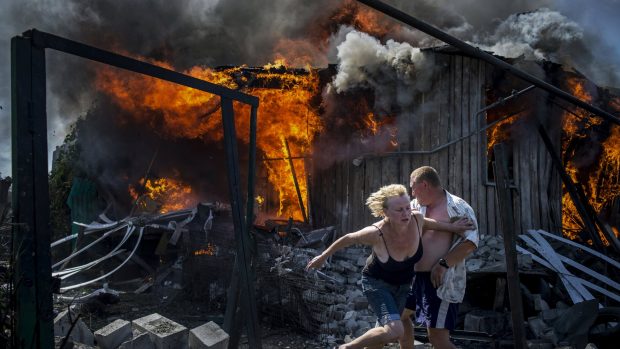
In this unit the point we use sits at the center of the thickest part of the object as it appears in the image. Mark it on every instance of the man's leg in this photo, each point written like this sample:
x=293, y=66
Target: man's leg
x=440, y=338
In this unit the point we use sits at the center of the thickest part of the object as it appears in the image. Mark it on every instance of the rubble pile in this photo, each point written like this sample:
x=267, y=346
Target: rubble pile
x=490, y=256
x=327, y=301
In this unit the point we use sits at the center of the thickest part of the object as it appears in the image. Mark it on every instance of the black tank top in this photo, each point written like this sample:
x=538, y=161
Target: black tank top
x=393, y=272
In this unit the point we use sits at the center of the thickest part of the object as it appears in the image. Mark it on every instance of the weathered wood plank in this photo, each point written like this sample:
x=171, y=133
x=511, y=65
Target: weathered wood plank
x=443, y=115
x=372, y=182
x=465, y=145
x=525, y=183
x=390, y=170
x=479, y=148
x=453, y=129
x=536, y=178
x=459, y=126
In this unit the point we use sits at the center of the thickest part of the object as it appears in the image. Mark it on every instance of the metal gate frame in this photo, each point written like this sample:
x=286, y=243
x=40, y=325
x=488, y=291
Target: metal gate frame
x=33, y=322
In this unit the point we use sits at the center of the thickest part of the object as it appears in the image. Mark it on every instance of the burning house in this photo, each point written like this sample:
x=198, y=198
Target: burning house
x=149, y=158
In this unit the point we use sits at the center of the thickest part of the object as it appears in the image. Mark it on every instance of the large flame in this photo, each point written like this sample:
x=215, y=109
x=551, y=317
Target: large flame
x=601, y=179
x=285, y=113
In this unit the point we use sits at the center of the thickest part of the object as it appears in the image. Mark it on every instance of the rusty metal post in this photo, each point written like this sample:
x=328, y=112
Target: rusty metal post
x=31, y=230
x=504, y=201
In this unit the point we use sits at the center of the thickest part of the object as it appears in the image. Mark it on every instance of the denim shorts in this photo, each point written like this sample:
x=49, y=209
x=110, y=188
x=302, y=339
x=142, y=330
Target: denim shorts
x=386, y=300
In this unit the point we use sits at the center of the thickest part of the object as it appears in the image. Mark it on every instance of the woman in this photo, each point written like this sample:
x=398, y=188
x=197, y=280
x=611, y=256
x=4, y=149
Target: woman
x=396, y=246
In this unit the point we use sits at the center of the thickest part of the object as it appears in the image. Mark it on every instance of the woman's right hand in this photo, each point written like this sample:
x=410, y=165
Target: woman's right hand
x=316, y=262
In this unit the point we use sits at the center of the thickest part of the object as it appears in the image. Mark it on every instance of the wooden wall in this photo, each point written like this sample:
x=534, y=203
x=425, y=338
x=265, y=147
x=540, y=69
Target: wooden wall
x=445, y=113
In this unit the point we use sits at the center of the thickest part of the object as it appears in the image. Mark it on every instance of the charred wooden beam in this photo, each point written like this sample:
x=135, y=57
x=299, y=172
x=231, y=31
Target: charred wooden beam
x=476, y=52
x=294, y=174
x=504, y=201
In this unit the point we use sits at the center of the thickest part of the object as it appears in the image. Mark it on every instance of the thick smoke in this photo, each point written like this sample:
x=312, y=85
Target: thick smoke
x=254, y=32
x=395, y=71
x=542, y=34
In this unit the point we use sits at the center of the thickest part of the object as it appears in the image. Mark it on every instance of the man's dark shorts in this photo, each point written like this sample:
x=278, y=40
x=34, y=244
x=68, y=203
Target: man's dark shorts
x=430, y=310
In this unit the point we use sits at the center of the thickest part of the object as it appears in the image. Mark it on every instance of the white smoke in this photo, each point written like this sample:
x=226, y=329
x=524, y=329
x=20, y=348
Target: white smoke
x=542, y=34
x=395, y=71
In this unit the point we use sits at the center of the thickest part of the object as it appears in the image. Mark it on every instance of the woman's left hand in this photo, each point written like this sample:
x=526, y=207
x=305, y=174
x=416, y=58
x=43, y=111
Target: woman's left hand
x=462, y=225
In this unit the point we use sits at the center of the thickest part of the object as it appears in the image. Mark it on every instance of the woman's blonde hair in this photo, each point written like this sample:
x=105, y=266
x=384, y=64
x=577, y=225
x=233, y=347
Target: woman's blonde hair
x=377, y=201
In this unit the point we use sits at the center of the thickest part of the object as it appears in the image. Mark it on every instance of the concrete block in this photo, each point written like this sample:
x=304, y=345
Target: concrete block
x=80, y=332
x=209, y=335
x=140, y=340
x=113, y=334
x=164, y=333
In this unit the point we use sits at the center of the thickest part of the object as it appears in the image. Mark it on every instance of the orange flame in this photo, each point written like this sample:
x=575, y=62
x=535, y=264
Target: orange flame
x=211, y=250
x=500, y=132
x=285, y=112
x=168, y=194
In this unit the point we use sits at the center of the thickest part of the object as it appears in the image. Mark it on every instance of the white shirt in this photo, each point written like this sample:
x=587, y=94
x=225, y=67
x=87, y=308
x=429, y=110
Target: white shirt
x=453, y=287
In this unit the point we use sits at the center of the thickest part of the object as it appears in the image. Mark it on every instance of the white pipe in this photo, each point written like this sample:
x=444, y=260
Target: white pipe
x=64, y=289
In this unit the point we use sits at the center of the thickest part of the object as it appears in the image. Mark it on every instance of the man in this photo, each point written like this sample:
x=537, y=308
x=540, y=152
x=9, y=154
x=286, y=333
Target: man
x=439, y=284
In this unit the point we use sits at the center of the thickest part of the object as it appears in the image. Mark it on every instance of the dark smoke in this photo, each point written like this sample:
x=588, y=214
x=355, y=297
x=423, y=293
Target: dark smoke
x=254, y=32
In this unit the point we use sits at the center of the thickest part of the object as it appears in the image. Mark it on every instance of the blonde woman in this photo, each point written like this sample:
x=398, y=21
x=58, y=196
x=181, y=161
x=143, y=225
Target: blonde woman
x=396, y=247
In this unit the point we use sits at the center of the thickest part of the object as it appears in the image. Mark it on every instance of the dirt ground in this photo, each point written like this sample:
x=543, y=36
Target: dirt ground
x=129, y=306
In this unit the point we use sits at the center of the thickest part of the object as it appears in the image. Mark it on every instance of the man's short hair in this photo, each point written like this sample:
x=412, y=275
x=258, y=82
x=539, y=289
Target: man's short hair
x=426, y=173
